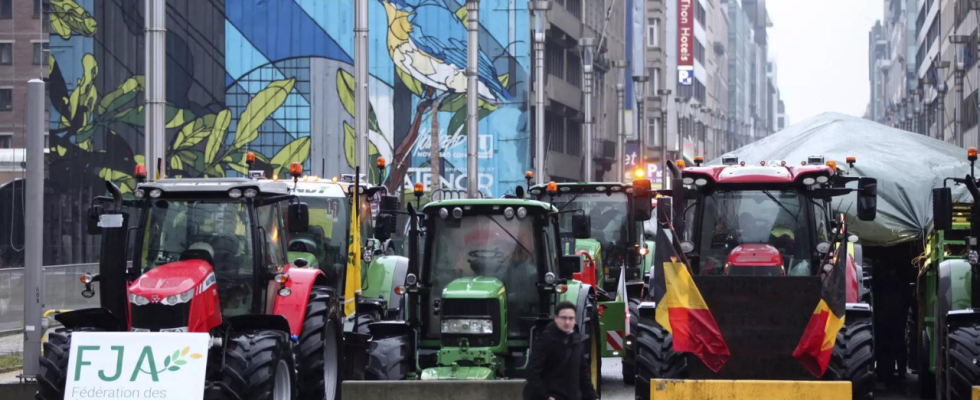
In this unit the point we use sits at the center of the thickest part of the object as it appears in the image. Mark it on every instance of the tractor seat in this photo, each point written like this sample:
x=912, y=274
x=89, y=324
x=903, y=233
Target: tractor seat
x=199, y=251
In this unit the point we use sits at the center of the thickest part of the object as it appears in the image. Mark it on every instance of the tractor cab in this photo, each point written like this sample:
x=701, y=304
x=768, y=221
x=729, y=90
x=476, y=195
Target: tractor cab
x=616, y=236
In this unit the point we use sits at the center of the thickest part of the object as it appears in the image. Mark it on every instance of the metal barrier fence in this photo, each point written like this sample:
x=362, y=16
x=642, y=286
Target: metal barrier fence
x=62, y=290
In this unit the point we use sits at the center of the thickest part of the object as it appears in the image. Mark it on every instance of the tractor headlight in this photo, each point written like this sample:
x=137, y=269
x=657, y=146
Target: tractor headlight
x=467, y=326
x=138, y=300
x=178, y=298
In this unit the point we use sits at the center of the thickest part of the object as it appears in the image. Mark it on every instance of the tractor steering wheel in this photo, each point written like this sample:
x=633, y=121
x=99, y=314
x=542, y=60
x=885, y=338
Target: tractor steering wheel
x=486, y=254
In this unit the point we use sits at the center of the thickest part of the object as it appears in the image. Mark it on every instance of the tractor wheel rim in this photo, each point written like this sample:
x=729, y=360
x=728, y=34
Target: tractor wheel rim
x=330, y=365
x=283, y=386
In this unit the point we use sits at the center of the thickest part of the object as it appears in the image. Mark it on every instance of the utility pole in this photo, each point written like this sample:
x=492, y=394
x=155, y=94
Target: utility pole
x=587, y=46
x=620, y=66
x=472, y=97
x=361, y=78
x=958, y=72
x=664, y=94
x=155, y=134
x=540, y=9
x=33, y=231
x=640, y=93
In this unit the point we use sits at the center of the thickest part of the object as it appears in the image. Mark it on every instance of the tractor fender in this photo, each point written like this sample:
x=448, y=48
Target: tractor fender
x=384, y=274
x=577, y=294
x=252, y=322
x=100, y=318
x=959, y=318
x=954, y=286
x=293, y=307
x=858, y=312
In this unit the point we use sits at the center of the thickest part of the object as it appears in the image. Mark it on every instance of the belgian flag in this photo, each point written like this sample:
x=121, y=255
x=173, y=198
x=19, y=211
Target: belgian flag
x=680, y=308
x=820, y=336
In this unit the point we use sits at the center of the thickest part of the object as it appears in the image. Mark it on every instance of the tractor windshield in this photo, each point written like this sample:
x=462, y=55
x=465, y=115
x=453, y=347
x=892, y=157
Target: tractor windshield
x=490, y=246
x=732, y=218
x=215, y=231
x=607, y=214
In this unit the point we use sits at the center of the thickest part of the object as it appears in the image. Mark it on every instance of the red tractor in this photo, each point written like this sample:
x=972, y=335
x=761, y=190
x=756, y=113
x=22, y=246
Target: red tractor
x=209, y=255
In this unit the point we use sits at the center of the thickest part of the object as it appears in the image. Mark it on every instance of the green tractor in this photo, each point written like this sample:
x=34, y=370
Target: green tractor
x=487, y=283
x=945, y=326
x=616, y=246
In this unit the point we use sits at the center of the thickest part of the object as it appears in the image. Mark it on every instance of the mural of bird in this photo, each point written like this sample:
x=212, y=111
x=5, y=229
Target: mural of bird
x=435, y=54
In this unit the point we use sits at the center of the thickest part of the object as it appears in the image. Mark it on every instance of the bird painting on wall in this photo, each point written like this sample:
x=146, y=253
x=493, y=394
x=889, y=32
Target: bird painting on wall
x=435, y=55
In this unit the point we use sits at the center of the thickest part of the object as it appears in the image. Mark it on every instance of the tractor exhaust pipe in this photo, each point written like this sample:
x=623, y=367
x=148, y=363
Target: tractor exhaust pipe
x=116, y=195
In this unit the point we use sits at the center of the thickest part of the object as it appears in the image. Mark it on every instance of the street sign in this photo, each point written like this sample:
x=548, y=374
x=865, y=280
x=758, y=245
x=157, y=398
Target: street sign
x=131, y=365
x=632, y=161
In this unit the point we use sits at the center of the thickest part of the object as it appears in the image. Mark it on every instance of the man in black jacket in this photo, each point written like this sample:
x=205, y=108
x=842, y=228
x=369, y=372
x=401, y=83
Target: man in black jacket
x=558, y=370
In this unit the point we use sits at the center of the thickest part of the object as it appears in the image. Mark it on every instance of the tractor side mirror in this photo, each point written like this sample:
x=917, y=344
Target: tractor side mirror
x=385, y=226
x=94, y=214
x=299, y=217
x=867, y=199
x=642, y=206
x=581, y=226
x=942, y=208
x=569, y=265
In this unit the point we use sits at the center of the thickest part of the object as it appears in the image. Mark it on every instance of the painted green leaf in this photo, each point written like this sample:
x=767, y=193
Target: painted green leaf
x=74, y=17
x=133, y=116
x=259, y=109
x=166, y=361
x=60, y=27
x=193, y=133
x=346, y=90
x=216, y=171
x=411, y=83
x=453, y=103
x=180, y=362
x=349, y=144
x=193, y=161
x=125, y=93
x=173, y=369
x=140, y=159
x=177, y=117
x=461, y=13
x=176, y=355
x=240, y=168
x=113, y=175
x=459, y=121
x=238, y=156
x=217, y=137
x=296, y=151
x=176, y=164
x=504, y=80
x=83, y=98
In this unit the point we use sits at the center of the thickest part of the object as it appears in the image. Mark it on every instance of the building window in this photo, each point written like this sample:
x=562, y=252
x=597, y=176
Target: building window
x=653, y=33
x=698, y=51
x=41, y=53
x=555, y=60
x=969, y=108
x=6, y=141
x=654, y=84
x=41, y=7
x=7, y=99
x=653, y=132
x=6, y=9
x=574, y=7
x=699, y=13
x=573, y=73
x=6, y=53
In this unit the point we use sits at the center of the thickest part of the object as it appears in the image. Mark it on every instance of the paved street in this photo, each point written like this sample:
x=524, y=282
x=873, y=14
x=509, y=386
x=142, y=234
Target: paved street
x=612, y=381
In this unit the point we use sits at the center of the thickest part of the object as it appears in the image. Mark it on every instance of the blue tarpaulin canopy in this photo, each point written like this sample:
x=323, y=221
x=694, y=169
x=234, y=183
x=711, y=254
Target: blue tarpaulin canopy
x=907, y=166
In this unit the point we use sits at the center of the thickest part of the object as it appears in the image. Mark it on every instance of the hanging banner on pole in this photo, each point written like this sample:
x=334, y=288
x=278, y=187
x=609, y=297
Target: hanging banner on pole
x=685, y=42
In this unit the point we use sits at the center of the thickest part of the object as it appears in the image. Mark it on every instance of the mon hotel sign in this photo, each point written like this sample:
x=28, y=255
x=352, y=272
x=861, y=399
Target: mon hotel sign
x=685, y=42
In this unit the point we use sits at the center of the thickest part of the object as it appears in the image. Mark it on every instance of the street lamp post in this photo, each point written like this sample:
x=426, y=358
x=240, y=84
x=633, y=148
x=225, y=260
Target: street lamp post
x=664, y=94
x=472, y=97
x=155, y=136
x=639, y=92
x=620, y=66
x=361, y=96
x=695, y=128
x=540, y=9
x=587, y=45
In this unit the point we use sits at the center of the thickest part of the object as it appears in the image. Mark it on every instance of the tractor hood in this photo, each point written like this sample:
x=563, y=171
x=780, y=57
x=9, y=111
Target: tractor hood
x=173, y=279
x=476, y=287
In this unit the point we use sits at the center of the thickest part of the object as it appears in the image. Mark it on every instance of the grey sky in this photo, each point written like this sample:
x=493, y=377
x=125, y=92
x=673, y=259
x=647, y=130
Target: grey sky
x=821, y=49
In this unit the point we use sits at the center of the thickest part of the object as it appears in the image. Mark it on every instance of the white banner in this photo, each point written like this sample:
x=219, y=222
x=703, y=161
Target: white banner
x=130, y=365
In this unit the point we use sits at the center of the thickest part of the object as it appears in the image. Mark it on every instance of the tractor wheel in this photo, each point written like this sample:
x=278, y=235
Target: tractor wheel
x=629, y=361
x=361, y=321
x=260, y=365
x=655, y=358
x=318, y=353
x=389, y=359
x=911, y=339
x=54, y=365
x=962, y=372
x=853, y=359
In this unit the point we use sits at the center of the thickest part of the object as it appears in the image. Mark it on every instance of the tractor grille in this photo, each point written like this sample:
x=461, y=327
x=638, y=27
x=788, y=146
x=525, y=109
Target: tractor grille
x=478, y=308
x=158, y=316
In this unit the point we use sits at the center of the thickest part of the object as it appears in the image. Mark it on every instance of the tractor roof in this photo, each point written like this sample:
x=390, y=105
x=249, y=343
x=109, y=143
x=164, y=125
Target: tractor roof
x=584, y=184
x=205, y=185
x=755, y=173
x=491, y=202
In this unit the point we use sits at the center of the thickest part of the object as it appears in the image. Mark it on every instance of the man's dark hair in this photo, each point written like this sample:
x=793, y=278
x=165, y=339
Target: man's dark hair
x=565, y=305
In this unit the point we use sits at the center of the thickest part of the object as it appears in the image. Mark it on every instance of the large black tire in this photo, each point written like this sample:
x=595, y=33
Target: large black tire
x=962, y=371
x=629, y=362
x=389, y=358
x=318, y=353
x=853, y=359
x=364, y=320
x=254, y=364
x=54, y=365
x=655, y=358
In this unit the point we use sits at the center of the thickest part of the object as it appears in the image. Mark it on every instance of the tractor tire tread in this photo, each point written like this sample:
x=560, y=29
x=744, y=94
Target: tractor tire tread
x=251, y=361
x=655, y=358
x=963, y=372
x=310, y=355
x=853, y=359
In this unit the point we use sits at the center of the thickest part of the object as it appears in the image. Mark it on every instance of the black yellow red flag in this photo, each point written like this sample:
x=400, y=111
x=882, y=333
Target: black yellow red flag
x=820, y=336
x=680, y=308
